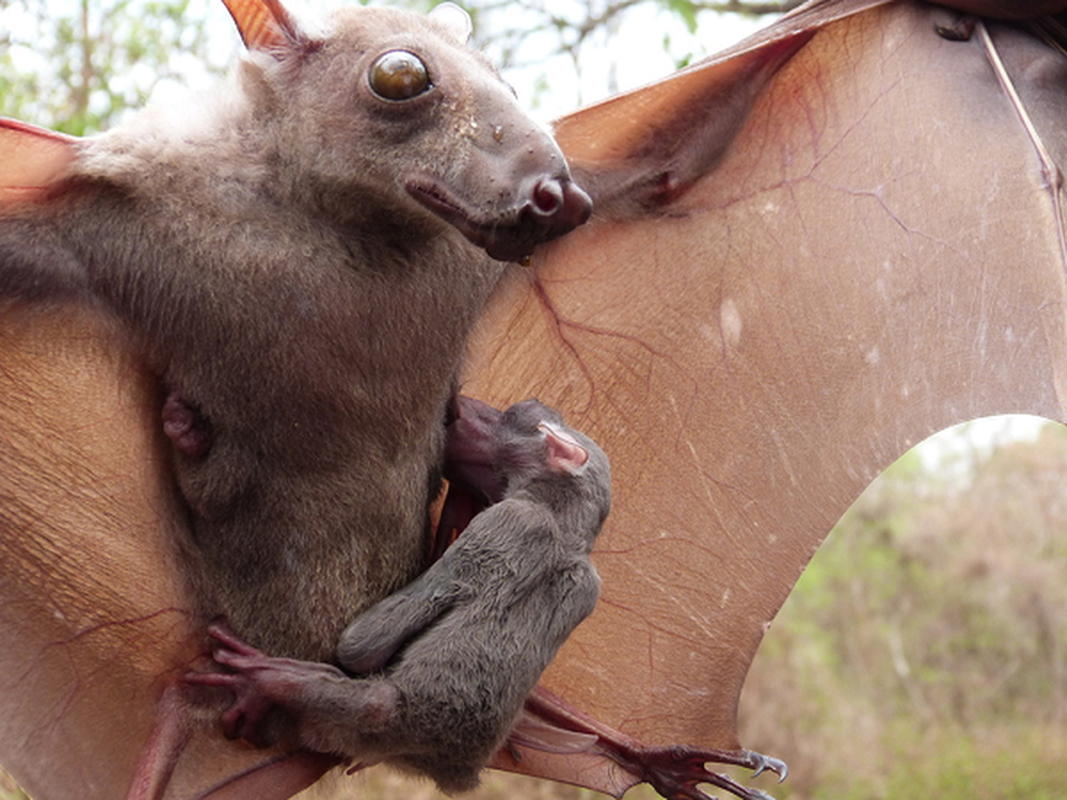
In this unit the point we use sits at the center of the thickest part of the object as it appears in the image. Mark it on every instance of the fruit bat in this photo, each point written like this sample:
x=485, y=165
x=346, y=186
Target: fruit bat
x=434, y=676
x=809, y=252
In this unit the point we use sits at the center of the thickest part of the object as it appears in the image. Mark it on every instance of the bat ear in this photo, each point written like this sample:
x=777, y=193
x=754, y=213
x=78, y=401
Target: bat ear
x=33, y=161
x=564, y=453
x=263, y=24
x=455, y=19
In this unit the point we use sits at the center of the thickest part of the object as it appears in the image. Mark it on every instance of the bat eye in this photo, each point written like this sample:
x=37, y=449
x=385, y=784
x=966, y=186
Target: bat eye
x=399, y=75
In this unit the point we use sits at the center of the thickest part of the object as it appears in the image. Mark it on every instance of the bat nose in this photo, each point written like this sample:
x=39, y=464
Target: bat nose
x=560, y=204
x=550, y=205
x=548, y=197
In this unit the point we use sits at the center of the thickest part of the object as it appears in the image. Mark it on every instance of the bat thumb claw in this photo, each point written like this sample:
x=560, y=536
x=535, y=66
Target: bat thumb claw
x=775, y=765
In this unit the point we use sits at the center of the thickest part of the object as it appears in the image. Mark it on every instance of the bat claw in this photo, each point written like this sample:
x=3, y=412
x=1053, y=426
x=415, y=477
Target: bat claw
x=764, y=763
x=675, y=772
x=255, y=679
x=221, y=633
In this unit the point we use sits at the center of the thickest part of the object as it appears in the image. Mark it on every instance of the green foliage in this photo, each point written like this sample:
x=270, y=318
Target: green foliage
x=686, y=11
x=77, y=71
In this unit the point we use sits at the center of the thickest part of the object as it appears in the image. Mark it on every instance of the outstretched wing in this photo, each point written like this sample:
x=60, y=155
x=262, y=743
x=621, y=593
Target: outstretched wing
x=872, y=249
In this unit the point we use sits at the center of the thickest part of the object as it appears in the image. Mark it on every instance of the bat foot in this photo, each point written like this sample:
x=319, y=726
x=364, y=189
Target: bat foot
x=676, y=771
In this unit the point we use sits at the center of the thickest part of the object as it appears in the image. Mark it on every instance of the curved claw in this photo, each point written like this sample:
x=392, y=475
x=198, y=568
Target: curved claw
x=675, y=772
x=764, y=763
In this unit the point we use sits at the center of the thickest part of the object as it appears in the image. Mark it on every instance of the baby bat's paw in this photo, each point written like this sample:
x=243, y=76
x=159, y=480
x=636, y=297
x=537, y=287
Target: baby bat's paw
x=260, y=684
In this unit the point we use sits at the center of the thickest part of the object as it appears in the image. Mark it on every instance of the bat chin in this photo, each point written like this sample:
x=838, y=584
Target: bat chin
x=550, y=208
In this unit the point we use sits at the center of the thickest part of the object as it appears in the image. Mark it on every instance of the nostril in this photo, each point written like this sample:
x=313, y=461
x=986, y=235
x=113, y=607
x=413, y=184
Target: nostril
x=548, y=197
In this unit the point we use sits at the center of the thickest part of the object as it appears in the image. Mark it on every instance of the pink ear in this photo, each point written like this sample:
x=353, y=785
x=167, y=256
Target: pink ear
x=263, y=24
x=33, y=161
x=564, y=454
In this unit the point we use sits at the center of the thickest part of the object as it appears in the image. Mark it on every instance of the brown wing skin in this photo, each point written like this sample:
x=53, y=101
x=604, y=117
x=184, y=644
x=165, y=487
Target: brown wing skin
x=89, y=602
x=35, y=163
x=92, y=602
x=752, y=331
x=877, y=255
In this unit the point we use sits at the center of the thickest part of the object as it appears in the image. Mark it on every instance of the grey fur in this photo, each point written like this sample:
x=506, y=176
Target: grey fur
x=461, y=646
x=269, y=256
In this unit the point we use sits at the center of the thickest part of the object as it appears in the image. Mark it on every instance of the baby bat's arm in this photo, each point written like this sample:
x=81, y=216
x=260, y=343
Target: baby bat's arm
x=376, y=635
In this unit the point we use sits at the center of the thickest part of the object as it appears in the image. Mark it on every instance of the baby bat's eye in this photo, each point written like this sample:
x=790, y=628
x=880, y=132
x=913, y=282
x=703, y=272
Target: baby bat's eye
x=398, y=75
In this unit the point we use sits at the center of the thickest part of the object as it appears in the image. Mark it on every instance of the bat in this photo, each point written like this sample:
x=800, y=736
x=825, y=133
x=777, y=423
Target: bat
x=856, y=216
x=305, y=307
x=269, y=496
x=434, y=676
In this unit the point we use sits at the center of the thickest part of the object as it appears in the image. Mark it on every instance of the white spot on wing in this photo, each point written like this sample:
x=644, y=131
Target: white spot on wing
x=730, y=323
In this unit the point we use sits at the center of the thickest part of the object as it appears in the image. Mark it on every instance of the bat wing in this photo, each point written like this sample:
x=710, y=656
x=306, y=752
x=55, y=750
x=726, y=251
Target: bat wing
x=92, y=609
x=92, y=547
x=755, y=330
x=868, y=248
x=36, y=161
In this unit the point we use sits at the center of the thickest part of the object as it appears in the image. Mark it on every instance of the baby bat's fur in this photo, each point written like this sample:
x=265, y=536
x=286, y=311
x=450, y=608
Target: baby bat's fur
x=283, y=259
x=461, y=646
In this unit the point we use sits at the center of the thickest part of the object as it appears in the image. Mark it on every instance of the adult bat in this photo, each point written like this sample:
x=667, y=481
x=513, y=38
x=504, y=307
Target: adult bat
x=299, y=265
x=810, y=252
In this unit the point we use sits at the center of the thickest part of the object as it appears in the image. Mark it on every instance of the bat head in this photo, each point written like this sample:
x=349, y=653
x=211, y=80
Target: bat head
x=527, y=447
x=560, y=465
x=392, y=110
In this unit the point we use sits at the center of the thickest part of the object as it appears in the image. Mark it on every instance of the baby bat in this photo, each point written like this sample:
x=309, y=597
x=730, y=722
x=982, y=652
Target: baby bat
x=298, y=261
x=447, y=661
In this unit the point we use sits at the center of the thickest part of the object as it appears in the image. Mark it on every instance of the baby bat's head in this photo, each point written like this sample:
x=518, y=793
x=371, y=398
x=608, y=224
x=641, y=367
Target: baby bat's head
x=539, y=454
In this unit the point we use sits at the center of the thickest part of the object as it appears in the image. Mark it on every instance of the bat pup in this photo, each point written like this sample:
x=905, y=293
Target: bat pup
x=434, y=676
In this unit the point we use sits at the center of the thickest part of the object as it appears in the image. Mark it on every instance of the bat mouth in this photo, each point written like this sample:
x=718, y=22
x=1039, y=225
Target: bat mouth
x=545, y=207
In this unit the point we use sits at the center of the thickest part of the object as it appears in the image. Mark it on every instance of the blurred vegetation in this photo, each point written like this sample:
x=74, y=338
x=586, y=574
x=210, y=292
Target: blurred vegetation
x=76, y=66
x=924, y=651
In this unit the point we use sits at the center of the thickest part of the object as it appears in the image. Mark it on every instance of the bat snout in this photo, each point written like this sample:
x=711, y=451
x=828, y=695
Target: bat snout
x=551, y=207
x=561, y=203
x=545, y=207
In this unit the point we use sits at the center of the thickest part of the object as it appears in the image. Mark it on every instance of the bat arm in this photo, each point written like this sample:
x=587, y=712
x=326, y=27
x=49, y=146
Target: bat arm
x=377, y=635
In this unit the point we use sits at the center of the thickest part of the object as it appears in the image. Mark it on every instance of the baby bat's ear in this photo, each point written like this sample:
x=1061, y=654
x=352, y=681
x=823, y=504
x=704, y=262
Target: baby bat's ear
x=33, y=162
x=455, y=19
x=264, y=24
x=564, y=453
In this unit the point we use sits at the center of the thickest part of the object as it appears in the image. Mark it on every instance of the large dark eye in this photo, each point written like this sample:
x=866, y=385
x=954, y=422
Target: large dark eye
x=398, y=75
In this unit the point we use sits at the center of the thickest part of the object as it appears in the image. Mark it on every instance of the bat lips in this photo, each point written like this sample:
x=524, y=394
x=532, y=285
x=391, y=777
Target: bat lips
x=544, y=208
